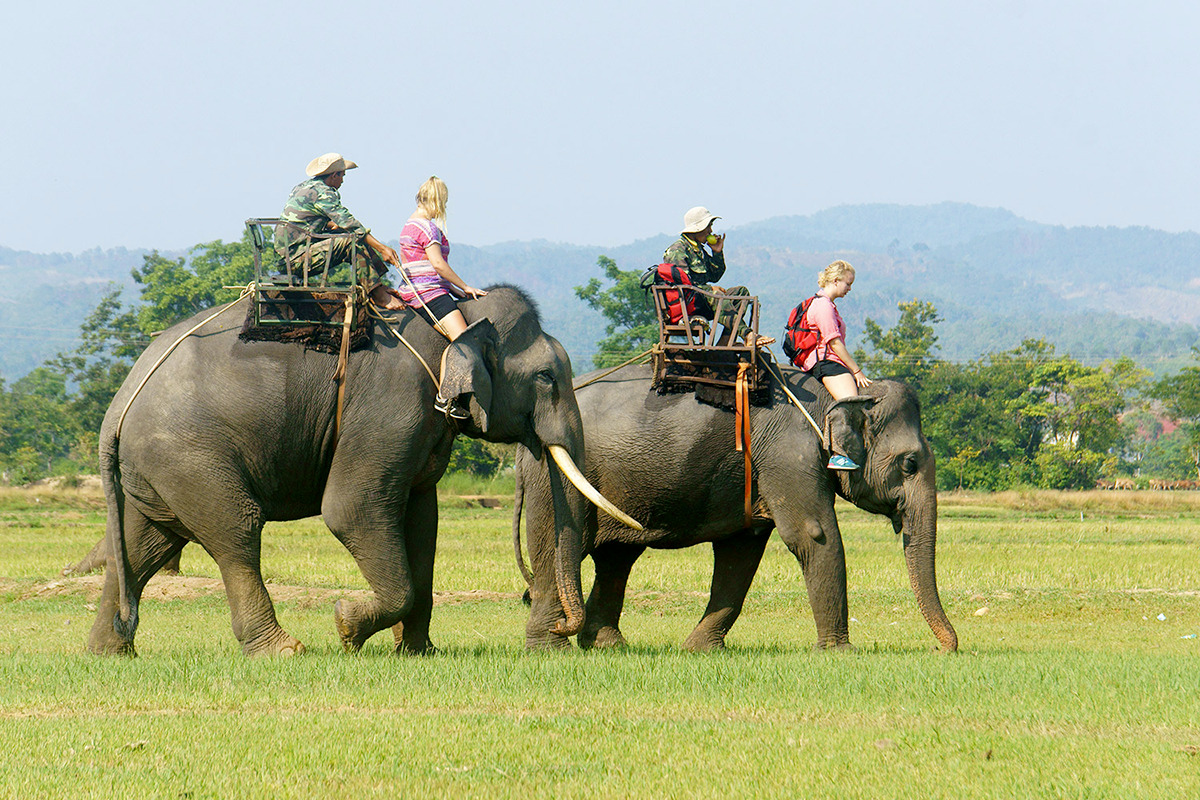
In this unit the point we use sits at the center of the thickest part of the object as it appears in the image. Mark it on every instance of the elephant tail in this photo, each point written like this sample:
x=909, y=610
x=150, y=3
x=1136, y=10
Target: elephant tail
x=125, y=621
x=518, y=507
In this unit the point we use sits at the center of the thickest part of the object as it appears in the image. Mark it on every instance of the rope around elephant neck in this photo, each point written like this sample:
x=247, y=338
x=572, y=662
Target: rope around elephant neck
x=249, y=288
x=633, y=360
x=387, y=323
x=783, y=385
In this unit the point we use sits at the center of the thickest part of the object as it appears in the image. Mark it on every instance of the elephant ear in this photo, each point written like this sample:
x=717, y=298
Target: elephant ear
x=847, y=424
x=468, y=368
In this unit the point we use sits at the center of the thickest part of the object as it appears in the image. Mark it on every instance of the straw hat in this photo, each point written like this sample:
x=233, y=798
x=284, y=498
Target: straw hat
x=330, y=162
x=697, y=219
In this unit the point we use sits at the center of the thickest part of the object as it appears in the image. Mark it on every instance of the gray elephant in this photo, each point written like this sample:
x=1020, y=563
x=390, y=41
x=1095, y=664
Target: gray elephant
x=226, y=435
x=670, y=462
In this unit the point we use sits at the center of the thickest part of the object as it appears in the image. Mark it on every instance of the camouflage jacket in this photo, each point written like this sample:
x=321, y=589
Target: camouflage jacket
x=313, y=205
x=702, y=266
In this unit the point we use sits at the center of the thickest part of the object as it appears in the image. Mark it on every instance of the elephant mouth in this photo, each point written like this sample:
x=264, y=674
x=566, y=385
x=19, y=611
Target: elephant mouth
x=565, y=463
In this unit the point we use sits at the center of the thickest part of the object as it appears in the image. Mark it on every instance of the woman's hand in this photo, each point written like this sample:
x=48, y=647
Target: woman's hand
x=473, y=292
x=861, y=380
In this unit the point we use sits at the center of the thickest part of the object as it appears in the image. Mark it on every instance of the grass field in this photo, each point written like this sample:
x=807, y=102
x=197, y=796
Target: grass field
x=1078, y=675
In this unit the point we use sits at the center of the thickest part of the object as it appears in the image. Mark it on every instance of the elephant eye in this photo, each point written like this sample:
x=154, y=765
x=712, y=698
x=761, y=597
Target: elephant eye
x=545, y=376
x=909, y=465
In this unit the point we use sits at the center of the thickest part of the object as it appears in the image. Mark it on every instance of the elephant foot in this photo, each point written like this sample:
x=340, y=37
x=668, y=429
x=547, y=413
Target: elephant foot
x=406, y=649
x=607, y=636
x=112, y=648
x=348, y=631
x=280, y=644
x=546, y=642
x=704, y=641
x=841, y=647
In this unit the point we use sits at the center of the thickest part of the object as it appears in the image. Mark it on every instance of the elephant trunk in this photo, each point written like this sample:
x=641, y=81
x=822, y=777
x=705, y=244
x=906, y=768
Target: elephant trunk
x=569, y=513
x=920, y=542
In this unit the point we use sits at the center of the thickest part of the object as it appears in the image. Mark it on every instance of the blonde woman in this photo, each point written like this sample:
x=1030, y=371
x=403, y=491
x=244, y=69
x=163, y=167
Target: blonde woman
x=427, y=281
x=831, y=361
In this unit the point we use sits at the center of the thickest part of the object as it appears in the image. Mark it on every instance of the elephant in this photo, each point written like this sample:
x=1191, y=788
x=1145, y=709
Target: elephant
x=207, y=442
x=670, y=461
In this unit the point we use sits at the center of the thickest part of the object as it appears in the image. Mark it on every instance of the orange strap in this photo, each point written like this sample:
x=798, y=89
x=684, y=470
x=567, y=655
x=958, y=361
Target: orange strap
x=339, y=375
x=742, y=429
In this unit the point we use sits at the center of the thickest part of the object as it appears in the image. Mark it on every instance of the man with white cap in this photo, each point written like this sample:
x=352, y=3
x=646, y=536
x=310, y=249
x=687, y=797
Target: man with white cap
x=315, y=207
x=707, y=266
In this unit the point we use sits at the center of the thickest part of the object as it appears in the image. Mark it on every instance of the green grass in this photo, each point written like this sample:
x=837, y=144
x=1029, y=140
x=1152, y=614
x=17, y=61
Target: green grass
x=1067, y=684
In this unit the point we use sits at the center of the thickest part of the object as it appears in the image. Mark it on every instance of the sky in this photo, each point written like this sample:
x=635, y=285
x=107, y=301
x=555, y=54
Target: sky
x=164, y=125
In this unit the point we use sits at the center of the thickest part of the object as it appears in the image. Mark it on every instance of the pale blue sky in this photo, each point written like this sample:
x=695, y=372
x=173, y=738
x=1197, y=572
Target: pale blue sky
x=153, y=124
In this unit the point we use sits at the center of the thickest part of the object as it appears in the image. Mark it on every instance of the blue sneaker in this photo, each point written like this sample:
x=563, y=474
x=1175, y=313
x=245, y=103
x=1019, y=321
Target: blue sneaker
x=838, y=461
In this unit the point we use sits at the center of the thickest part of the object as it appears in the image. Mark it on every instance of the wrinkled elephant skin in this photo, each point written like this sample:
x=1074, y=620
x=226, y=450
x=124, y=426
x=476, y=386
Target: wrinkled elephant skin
x=670, y=462
x=226, y=435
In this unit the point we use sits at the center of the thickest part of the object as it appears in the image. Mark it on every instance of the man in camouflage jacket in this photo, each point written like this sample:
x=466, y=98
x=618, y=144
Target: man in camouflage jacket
x=705, y=267
x=315, y=207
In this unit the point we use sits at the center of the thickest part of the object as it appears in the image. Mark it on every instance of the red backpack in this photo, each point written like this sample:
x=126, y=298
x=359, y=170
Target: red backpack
x=671, y=275
x=800, y=337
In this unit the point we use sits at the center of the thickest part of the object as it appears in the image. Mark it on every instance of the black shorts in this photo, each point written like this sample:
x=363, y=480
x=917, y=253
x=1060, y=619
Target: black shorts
x=442, y=305
x=828, y=368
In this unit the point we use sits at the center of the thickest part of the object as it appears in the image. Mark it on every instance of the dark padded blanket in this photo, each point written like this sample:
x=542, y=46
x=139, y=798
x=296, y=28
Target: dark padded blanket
x=303, y=317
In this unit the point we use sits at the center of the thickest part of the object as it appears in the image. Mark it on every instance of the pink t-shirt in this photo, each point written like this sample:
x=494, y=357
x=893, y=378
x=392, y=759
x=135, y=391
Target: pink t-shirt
x=416, y=235
x=824, y=315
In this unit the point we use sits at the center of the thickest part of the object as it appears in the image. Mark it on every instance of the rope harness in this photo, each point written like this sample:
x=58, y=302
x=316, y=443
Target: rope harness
x=249, y=288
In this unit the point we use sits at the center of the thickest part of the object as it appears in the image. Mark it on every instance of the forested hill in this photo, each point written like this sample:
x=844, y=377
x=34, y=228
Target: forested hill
x=995, y=278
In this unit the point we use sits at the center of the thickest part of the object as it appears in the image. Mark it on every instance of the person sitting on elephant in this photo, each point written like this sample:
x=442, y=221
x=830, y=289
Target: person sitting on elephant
x=315, y=207
x=705, y=267
x=428, y=283
x=830, y=360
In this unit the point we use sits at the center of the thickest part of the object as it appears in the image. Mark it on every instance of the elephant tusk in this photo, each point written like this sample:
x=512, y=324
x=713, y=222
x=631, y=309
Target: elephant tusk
x=563, y=459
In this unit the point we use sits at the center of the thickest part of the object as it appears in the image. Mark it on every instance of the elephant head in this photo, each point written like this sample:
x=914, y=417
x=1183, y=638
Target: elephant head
x=898, y=480
x=522, y=393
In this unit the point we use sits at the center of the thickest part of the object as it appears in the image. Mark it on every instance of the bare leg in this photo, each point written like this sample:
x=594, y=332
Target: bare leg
x=841, y=386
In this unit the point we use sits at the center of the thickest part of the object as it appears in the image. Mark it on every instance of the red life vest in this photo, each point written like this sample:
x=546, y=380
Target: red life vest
x=800, y=337
x=671, y=275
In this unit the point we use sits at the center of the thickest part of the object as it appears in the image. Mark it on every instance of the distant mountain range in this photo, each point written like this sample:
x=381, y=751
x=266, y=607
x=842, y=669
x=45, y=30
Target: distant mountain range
x=995, y=278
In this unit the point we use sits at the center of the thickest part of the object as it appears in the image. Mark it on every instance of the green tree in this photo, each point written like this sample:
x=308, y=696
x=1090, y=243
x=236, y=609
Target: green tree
x=173, y=290
x=631, y=327
x=1180, y=396
x=905, y=352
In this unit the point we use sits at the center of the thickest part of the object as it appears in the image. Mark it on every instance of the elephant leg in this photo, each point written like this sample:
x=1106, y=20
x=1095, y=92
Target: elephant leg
x=420, y=534
x=817, y=544
x=602, y=615
x=93, y=561
x=148, y=545
x=735, y=561
x=250, y=608
x=374, y=536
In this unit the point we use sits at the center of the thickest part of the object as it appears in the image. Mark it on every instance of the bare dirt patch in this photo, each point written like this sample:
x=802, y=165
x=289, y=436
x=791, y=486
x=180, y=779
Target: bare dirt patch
x=181, y=587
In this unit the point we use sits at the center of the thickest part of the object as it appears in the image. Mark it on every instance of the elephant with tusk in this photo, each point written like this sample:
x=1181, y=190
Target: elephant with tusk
x=671, y=463
x=226, y=435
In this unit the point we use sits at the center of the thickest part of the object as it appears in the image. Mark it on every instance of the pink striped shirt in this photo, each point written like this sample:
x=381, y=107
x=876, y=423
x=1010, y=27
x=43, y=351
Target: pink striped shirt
x=418, y=234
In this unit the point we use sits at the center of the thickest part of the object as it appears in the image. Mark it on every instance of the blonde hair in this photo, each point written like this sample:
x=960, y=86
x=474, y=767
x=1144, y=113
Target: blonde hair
x=838, y=269
x=432, y=197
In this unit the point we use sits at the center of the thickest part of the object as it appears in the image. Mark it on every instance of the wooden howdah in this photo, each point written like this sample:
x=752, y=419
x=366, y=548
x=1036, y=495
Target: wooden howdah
x=694, y=352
